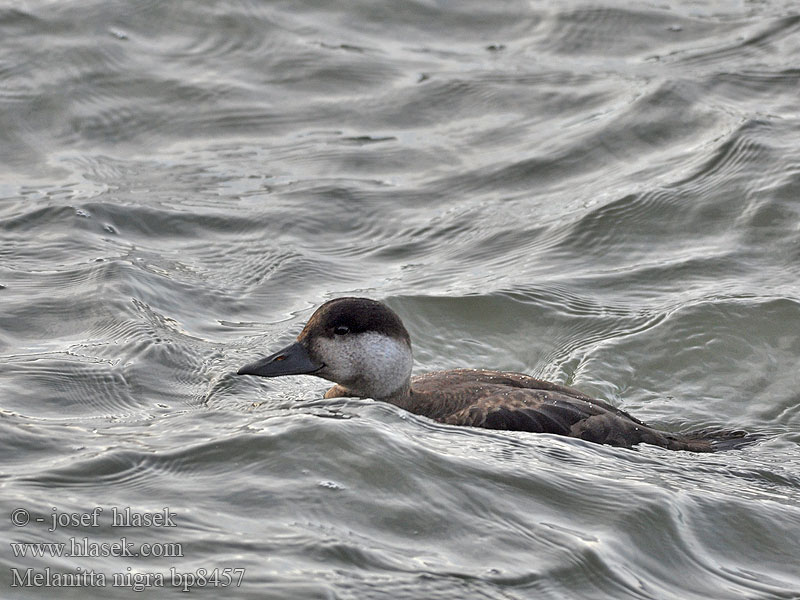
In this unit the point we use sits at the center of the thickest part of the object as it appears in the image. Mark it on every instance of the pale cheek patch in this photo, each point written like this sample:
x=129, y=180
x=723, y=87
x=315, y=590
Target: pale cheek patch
x=371, y=364
x=387, y=366
x=339, y=359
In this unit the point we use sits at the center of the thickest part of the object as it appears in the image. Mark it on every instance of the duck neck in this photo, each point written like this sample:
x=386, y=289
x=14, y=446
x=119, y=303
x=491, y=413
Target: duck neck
x=403, y=397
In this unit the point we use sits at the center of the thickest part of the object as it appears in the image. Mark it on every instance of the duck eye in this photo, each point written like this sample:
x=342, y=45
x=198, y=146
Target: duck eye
x=341, y=330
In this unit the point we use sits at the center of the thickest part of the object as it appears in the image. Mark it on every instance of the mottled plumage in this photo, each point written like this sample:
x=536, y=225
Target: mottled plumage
x=363, y=346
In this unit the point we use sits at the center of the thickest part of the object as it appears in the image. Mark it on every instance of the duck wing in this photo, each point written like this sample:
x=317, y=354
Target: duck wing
x=444, y=393
x=518, y=402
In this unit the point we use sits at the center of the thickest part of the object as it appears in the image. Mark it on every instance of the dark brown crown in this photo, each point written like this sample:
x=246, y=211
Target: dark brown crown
x=358, y=315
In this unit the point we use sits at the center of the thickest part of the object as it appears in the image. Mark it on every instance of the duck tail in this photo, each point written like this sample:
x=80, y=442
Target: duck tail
x=716, y=440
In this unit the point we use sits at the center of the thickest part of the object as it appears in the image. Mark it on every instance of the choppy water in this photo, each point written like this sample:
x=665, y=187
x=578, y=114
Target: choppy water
x=601, y=195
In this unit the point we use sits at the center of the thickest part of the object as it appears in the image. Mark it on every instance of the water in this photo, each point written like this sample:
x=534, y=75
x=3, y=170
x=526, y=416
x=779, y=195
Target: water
x=603, y=196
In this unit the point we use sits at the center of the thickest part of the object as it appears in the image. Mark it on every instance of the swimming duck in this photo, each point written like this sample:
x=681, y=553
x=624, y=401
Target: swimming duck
x=362, y=346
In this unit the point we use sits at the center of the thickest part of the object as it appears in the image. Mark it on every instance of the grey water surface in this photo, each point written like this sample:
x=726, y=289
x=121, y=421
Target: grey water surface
x=604, y=194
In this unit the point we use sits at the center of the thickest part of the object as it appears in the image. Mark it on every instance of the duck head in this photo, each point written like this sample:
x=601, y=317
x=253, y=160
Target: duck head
x=359, y=343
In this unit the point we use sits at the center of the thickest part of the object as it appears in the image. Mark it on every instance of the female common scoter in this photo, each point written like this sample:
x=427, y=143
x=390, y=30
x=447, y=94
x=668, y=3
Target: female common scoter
x=362, y=346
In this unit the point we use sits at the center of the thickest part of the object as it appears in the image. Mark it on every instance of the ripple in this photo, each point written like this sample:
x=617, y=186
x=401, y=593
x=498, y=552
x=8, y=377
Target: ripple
x=751, y=42
x=589, y=30
x=68, y=385
x=731, y=161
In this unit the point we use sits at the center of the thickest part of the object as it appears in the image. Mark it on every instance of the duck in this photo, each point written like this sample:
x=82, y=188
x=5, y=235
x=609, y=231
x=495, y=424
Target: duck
x=362, y=346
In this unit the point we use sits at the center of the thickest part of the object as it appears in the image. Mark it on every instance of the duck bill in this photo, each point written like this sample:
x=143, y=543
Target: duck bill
x=292, y=360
